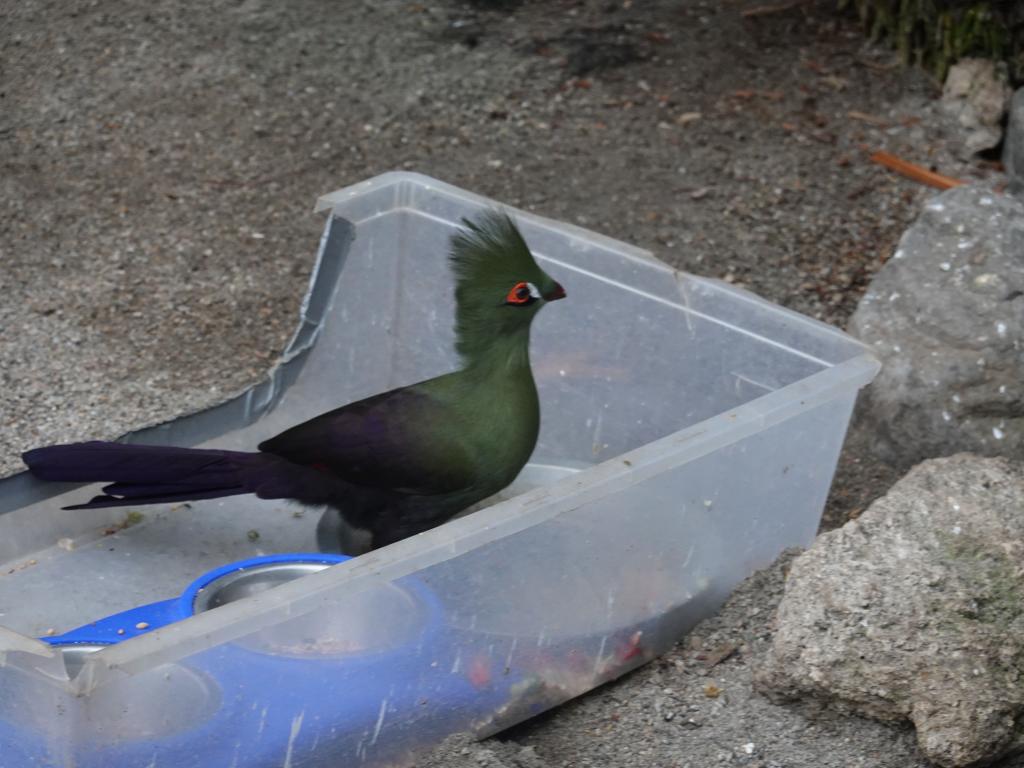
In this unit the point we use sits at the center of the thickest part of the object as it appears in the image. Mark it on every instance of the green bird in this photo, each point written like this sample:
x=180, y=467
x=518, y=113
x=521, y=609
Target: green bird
x=391, y=465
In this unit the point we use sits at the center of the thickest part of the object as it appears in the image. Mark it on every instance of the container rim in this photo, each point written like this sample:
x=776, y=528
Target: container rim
x=402, y=181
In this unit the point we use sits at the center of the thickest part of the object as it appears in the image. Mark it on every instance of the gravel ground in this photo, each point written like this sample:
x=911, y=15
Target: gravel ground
x=159, y=162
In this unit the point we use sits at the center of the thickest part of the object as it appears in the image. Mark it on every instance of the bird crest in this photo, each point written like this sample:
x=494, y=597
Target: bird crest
x=498, y=284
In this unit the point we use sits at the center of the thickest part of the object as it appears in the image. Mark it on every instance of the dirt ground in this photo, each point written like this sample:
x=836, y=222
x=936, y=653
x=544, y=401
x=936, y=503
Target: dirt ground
x=159, y=162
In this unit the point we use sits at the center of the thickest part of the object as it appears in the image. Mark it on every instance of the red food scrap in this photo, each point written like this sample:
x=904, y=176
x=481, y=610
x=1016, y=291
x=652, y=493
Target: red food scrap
x=479, y=672
x=631, y=648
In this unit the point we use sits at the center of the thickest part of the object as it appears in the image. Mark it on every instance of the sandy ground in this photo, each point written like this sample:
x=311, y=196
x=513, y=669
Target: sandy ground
x=159, y=162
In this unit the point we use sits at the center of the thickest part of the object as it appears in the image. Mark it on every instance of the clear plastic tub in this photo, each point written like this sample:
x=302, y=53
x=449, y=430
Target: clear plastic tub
x=690, y=432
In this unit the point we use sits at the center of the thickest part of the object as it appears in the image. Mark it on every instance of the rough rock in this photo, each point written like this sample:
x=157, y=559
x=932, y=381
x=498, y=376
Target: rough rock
x=463, y=751
x=916, y=611
x=976, y=93
x=1013, y=148
x=946, y=317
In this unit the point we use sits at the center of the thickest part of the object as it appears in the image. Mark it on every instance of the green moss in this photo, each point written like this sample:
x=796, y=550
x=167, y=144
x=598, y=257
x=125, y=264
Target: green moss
x=989, y=576
x=937, y=33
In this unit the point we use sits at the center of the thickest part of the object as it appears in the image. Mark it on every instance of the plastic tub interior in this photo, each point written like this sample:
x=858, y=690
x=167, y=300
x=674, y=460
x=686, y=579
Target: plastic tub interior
x=690, y=432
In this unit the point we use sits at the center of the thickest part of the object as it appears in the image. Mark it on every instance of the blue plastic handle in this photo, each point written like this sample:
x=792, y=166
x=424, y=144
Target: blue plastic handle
x=146, y=618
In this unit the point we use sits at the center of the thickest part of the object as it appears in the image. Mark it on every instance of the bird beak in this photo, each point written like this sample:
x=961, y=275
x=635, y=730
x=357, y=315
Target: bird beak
x=556, y=294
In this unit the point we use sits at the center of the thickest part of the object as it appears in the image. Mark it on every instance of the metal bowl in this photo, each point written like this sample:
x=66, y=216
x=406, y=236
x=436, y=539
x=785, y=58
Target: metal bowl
x=243, y=583
x=372, y=620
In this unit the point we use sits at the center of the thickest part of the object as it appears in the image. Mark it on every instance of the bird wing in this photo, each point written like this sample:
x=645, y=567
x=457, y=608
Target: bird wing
x=404, y=440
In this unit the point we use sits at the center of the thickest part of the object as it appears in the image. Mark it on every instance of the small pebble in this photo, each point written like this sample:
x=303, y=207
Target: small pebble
x=142, y=625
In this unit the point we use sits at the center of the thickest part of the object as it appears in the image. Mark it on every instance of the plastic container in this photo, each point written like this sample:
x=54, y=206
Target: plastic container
x=690, y=432
x=335, y=669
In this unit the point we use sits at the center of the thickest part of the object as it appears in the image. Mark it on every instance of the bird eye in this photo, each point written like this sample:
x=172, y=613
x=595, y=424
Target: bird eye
x=522, y=294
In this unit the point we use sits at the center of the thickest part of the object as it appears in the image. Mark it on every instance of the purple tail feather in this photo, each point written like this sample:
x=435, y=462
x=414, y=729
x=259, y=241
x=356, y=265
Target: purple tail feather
x=152, y=474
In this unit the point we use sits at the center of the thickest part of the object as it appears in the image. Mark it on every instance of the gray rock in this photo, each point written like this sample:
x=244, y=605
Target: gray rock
x=976, y=92
x=462, y=751
x=915, y=611
x=946, y=317
x=1013, y=149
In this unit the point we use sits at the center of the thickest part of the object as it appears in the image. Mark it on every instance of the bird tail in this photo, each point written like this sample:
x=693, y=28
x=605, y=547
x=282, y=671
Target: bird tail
x=147, y=474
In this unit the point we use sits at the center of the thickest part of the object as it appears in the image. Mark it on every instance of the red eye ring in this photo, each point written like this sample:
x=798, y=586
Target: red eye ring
x=520, y=294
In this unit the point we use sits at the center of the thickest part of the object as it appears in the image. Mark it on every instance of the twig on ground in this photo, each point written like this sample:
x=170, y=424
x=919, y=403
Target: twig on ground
x=877, y=65
x=915, y=172
x=718, y=655
x=864, y=117
x=764, y=10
